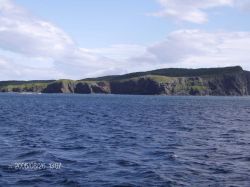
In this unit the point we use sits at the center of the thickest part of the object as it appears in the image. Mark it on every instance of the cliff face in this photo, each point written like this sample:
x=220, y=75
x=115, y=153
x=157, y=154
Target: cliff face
x=235, y=84
x=232, y=81
x=247, y=74
x=144, y=86
x=79, y=87
x=62, y=86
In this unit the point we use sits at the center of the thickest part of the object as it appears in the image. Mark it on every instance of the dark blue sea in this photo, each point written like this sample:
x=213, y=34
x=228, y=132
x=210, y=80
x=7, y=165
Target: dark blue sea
x=114, y=140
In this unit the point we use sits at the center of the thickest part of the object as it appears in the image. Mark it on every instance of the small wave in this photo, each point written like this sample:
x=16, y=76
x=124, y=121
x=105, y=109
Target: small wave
x=7, y=169
x=221, y=171
x=70, y=182
x=73, y=148
x=126, y=163
x=30, y=154
x=124, y=185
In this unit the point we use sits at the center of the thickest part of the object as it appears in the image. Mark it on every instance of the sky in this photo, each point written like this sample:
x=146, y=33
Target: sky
x=89, y=38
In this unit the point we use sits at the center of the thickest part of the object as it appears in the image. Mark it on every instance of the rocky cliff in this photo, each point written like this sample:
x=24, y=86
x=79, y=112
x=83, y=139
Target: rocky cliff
x=229, y=81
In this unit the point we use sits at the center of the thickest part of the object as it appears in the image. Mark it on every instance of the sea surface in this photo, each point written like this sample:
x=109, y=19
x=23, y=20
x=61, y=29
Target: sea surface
x=115, y=140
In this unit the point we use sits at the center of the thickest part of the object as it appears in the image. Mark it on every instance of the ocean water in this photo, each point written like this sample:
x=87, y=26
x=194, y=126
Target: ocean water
x=107, y=140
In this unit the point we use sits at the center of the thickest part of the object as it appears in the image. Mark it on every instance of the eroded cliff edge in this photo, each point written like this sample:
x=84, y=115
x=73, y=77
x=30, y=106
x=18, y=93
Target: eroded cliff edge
x=228, y=81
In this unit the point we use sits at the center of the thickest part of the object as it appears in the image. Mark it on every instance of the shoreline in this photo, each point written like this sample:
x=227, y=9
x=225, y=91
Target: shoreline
x=110, y=94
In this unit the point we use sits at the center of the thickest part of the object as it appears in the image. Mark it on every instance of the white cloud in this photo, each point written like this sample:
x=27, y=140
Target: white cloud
x=196, y=48
x=10, y=70
x=191, y=10
x=184, y=49
x=243, y=4
x=29, y=38
x=120, y=52
x=23, y=33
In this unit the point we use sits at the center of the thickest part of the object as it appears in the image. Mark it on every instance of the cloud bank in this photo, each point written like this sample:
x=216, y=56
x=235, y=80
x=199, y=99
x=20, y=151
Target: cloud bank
x=28, y=38
x=195, y=11
x=196, y=48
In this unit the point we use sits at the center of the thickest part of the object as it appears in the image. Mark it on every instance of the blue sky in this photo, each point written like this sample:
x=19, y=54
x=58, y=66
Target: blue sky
x=95, y=23
x=87, y=38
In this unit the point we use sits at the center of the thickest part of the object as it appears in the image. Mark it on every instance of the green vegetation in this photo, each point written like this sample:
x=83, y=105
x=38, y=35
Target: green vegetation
x=24, y=86
x=7, y=83
x=198, y=88
x=172, y=72
x=28, y=87
x=156, y=78
x=64, y=81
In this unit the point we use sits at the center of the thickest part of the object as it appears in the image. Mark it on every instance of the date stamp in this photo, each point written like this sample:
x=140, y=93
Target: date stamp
x=35, y=166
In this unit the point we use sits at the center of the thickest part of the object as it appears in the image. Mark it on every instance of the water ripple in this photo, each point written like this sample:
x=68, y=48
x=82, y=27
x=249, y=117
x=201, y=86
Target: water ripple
x=107, y=140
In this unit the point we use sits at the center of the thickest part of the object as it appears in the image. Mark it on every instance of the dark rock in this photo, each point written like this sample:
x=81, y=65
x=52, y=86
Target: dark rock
x=62, y=86
x=143, y=86
x=83, y=88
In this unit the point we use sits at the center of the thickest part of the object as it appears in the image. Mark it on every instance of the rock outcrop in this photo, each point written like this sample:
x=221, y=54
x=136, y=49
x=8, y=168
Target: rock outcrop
x=61, y=86
x=78, y=87
x=143, y=85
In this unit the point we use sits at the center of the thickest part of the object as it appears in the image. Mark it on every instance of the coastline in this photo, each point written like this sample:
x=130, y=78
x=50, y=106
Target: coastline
x=228, y=81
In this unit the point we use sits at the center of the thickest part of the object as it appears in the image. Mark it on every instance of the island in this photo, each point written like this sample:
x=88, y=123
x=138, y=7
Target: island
x=226, y=81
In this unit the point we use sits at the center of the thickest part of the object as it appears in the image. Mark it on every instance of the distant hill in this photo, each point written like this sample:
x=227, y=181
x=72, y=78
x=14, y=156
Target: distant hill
x=228, y=81
x=172, y=72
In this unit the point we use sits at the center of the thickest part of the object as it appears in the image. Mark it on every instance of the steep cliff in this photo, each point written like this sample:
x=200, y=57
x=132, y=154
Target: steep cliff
x=79, y=87
x=247, y=74
x=229, y=81
x=61, y=86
